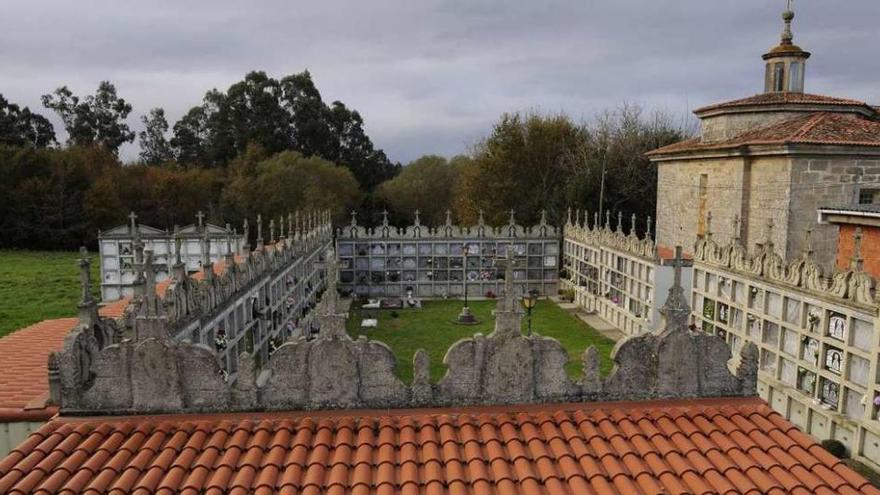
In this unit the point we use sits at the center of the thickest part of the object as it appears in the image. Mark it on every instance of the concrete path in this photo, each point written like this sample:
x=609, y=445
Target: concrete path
x=601, y=326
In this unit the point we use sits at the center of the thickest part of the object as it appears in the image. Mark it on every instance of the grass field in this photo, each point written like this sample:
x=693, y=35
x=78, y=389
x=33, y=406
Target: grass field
x=432, y=329
x=37, y=285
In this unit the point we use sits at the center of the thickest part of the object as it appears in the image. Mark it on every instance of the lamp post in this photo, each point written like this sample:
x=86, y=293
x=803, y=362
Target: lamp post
x=529, y=301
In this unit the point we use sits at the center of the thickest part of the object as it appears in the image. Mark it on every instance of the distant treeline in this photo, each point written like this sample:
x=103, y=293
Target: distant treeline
x=269, y=146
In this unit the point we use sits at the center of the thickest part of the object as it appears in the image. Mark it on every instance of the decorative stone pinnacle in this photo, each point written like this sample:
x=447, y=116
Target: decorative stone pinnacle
x=259, y=229
x=150, y=297
x=808, y=243
x=632, y=227
x=247, y=232
x=201, y=218
x=385, y=217
x=596, y=220
x=648, y=229
x=676, y=311
x=417, y=220
x=448, y=218
x=272, y=230
x=568, y=218
x=512, y=217
x=85, y=277
x=543, y=217
x=709, y=225
x=178, y=241
x=481, y=220
x=354, y=216
x=737, y=227
x=607, y=220
x=857, y=262
x=620, y=221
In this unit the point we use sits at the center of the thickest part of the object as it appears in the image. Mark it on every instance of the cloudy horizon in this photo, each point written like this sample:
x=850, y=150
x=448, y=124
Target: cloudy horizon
x=433, y=76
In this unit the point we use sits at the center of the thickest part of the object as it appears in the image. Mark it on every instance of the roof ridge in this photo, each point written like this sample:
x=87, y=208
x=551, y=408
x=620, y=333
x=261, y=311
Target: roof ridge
x=809, y=125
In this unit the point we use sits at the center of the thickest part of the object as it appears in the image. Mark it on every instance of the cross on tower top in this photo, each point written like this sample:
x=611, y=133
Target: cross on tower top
x=133, y=217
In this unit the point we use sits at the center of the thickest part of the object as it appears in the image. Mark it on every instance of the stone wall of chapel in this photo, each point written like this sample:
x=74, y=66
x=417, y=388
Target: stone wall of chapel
x=767, y=197
x=824, y=181
x=678, y=199
x=730, y=125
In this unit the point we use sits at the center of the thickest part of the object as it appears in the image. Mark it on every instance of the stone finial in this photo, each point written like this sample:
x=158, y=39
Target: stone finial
x=596, y=220
x=787, y=37
x=385, y=217
x=632, y=226
x=543, y=217
x=607, y=220
x=620, y=221
x=151, y=299
x=448, y=218
x=577, y=219
x=259, y=230
x=737, y=228
x=271, y=230
x=290, y=232
x=512, y=220
x=808, y=244
x=857, y=263
x=281, y=226
x=246, y=232
x=568, y=217
x=85, y=277
x=206, y=249
x=648, y=234
x=201, y=219
x=418, y=220
x=709, y=225
x=676, y=311
x=178, y=242
x=354, y=216
x=481, y=220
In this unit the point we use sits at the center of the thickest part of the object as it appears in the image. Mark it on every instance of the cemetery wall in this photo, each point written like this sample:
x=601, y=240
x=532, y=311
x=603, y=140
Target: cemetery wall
x=617, y=276
x=445, y=261
x=818, y=338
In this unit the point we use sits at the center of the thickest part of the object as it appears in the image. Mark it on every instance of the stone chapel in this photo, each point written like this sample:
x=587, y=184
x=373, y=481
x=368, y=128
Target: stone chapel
x=762, y=165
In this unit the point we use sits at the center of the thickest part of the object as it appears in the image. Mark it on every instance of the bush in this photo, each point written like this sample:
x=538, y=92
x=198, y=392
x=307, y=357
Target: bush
x=835, y=447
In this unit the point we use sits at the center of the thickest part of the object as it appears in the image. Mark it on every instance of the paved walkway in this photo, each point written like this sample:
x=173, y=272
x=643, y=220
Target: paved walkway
x=601, y=326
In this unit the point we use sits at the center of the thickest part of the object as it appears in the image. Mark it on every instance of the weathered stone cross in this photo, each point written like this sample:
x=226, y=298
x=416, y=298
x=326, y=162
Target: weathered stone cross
x=133, y=216
x=201, y=217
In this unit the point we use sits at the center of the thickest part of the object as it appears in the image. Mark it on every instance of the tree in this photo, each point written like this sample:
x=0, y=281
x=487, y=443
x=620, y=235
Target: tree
x=155, y=148
x=427, y=184
x=20, y=127
x=286, y=182
x=96, y=119
x=522, y=167
x=278, y=115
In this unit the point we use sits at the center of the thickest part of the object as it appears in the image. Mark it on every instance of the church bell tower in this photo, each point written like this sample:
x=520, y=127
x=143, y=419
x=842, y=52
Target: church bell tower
x=785, y=63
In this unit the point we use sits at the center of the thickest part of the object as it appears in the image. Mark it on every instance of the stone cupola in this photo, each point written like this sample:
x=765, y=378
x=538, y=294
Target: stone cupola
x=785, y=63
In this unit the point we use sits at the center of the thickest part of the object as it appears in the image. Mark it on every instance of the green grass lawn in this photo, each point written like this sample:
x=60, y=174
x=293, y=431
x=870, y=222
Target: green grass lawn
x=432, y=328
x=38, y=285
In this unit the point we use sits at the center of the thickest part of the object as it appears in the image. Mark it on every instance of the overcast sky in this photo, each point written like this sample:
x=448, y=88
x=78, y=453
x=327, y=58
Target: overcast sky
x=431, y=76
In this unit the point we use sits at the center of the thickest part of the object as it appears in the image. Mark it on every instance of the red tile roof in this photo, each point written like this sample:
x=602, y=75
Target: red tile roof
x=782, y=99
x=24, y=384
x=722, y=446
x=820, y=128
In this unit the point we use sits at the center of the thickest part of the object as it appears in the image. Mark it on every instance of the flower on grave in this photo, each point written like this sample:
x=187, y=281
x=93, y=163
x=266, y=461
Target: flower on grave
x=220, y=340
x=877, y=400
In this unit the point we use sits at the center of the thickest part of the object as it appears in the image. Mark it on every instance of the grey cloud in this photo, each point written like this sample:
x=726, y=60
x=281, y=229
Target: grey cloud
x=431, y=76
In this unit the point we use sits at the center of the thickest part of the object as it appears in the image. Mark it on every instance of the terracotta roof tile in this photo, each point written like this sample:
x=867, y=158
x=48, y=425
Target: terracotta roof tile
x=612, y=448
x=821, y=128
x=25, y=354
